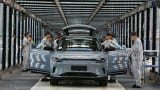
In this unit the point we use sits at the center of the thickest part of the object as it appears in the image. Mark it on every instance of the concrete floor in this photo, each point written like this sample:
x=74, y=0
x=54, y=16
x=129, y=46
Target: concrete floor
x=76, y=86
x=127, y=82
x=19, y=81
x=29, y=81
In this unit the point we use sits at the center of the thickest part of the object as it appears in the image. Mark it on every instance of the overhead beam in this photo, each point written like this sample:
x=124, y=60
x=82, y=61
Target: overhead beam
x=16, y=6
x=39, y=5
x=148, y=4
x=130, y=1
x=101, y=3
x=61, y=11
x=79, y=3
x=31, y=1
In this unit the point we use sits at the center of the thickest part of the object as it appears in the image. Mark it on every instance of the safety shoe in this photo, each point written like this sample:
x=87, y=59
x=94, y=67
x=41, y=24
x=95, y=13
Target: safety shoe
x=135, y=86
x=45, y=79
x=112, y=81
x=24, y=70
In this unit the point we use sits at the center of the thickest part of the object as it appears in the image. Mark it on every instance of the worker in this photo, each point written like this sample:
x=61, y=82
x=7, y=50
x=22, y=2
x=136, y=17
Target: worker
x=110, y=44
x=27, y=41
x=105, y=43
x=57, y=40
x=45, y=43
x=51, y=45
x=136, y=52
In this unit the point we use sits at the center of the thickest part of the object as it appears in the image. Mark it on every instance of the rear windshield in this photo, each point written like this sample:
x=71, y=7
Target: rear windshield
x=79, y=30
x=79, y=45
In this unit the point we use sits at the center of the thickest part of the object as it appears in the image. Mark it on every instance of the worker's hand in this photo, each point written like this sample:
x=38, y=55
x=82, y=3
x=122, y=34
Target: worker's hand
x=129, y=51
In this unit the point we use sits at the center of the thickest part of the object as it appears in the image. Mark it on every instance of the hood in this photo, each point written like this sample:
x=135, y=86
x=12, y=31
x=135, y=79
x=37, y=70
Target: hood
x=78, y=55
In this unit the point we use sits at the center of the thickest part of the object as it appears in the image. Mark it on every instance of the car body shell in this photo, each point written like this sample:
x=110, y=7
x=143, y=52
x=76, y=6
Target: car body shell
x=43, y=61
x=94, y=65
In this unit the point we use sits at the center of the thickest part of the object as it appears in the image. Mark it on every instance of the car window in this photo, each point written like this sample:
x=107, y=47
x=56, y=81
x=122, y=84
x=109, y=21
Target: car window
x=79, y=45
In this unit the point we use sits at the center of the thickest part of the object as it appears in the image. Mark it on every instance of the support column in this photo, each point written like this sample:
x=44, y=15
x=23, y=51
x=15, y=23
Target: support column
x=148, y=29
x=4, y=37
x=130, y=29
x=15, y=37
x=154, y=26
x=10, y=36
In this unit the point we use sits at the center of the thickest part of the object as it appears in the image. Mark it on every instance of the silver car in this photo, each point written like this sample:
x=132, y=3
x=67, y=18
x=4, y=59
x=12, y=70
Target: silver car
x=79, y=58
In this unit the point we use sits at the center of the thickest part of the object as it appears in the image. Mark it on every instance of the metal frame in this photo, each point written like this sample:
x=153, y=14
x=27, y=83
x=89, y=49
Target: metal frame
x=61, y=11
x=81, y=12
x=4, y=37
x=154, y=34
x=101, y=3
x=148, y=4
x=10, y=36
x=15, y=36
x=148, y=29
x=12, y=3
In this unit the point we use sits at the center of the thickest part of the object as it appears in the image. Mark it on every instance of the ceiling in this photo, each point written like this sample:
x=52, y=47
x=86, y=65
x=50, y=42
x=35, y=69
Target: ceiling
x=59, y=13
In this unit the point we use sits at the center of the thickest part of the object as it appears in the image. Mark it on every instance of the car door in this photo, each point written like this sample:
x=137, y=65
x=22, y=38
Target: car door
x=117, y=62
x=40, y=61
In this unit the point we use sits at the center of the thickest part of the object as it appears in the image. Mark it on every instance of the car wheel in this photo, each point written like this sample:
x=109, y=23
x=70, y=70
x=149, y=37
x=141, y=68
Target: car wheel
x=103, y=82
x=53, y=82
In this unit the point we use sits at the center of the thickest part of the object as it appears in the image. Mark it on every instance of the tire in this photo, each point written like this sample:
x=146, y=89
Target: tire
x=53, y=82
x=103, y=82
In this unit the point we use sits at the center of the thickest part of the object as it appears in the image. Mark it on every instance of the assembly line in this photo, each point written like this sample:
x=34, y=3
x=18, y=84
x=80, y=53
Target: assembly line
x=79, y=45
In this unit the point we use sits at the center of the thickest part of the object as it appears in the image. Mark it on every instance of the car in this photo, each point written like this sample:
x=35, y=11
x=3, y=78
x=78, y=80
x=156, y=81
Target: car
x=79, y=57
